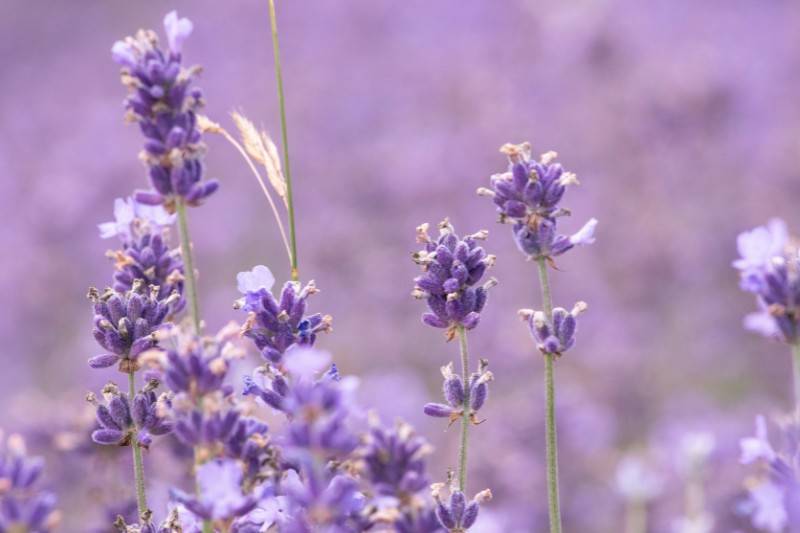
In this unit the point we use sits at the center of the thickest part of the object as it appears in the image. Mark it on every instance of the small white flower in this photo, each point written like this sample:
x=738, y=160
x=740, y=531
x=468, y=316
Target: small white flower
x=123, y=216
x=585, y=235
x=259, y=278
x=759, y=246
x=177, y=30
x=123, y=54
x=758, y=447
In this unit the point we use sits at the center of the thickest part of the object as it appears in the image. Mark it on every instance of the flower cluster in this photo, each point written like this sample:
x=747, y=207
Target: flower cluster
x=145, y=254
x=165, y=104
x=457, y=394
x=125, y=323
x=23, y=505
x=394, y=460
x=770, y=269
x=774, y=499
x=452, y=269
x=122, y=421
x=554, y=336
x=457, y=515
x=528, y=197
x=277, y=325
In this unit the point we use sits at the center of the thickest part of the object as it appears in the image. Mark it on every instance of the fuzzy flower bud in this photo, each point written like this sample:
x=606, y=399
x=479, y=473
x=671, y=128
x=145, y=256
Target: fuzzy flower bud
x=556, y=336
x=457, y=515
x=452, y=268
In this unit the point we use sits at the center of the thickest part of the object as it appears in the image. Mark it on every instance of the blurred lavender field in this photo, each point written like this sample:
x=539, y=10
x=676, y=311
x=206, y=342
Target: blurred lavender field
x=678, y=117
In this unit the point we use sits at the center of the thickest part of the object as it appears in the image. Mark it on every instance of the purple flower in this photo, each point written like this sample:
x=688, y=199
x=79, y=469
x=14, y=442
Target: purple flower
x=394, y=460
x=126, y=214
x=120, y=422
x=23, y=506
x=770, y=269
x=178, y=30
x=125, y=323
x=422, y=520
x=556, y=336
x=457, y=515
x=315, y=504
x=220, y=495
x=276, y=325
x=530, y=191
x=528, y=197
x=452, y=267
x=759, y=246
x=319, y=409
x=164, y=103
x=456, y=394
x=774, y=498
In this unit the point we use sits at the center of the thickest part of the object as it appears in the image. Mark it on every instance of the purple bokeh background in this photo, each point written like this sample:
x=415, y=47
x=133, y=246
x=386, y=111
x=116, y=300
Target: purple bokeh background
x=679, y=118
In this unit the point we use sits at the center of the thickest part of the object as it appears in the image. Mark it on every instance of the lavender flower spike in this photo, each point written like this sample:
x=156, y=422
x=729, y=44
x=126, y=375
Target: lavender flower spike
x=457, y=515
x=455, y=391
x=452, y=267
x=164, y=103
x=121, y=421
x=554, y=337
x=277, y=325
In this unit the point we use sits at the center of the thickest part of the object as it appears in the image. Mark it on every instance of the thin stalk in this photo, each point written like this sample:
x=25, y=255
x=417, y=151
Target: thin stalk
x=273, y=22
x=636, y=517
x=188, y=265
x=465, y=421
x=796, y=373
x=138, y=462
x=551, y=434
x=191, y=289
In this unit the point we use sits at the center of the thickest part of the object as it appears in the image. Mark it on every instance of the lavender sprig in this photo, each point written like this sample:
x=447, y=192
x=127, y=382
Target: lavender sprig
x=528, y=197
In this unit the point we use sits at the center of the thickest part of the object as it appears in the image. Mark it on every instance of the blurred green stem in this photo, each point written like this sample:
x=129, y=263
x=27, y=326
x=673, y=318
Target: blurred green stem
x=465, y=421
x=273, y=22
x=138, y=462
x=188, y=264
x=551, y=434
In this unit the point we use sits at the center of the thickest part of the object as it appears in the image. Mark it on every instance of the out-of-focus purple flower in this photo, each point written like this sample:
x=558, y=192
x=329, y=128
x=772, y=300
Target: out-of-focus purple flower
x=556, y=336
x=452, y=268
x=318, y=505
x=220, y=495
x=319, y=409
x=276, y=325
x=423, y=520
x=125, y=323
x=457, y=515
x=774, y=498
x=759, y=246
x=177, y=30
x=120, y=422
x=528, y=197
x=164, y=103
x=455, y=394
x=127, y=211
x=394, y=460
x=23, y=506
x=770, y=269
x=636, y=481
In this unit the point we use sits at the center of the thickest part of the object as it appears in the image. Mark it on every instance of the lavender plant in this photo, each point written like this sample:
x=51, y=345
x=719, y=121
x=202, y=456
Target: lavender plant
x=452, y=268
x=528, y=198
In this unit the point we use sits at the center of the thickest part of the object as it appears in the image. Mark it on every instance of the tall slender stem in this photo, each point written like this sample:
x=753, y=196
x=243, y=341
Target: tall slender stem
x=465, y=420
x=188, y=265
x=551, y=434
x=636, y=517
x=273, y=22
x=138, y=462
x=796, y=373
x=191, y=291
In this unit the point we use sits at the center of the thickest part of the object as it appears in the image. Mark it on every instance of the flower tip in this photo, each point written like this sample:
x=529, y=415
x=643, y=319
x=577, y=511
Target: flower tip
x=177, y=29
x=260, y=277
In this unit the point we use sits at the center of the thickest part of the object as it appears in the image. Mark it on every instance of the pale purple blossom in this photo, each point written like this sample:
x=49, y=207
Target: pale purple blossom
x=260, y=277
x=757, y=247
x=177, y=29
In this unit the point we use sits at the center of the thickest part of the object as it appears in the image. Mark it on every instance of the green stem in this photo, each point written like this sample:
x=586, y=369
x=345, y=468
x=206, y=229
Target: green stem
x=273, y=22
x=796, y=373
x=138, y=462
x=191, y=289
x=465, y=421
x=636, y=517
x=188, y=265
x=551, y=434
